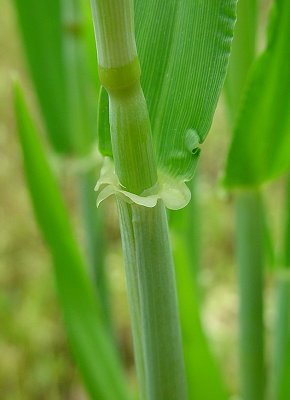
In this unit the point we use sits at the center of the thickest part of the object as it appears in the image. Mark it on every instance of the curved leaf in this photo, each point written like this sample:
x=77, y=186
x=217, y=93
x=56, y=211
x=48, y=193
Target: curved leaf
x=260, y=149
x=242, y=54
x=183, y=48
x=89, y=339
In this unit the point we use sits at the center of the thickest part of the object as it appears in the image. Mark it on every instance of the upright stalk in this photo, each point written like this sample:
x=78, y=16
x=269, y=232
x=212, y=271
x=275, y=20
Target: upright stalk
x=249, y=242
x=149, y=265
x=95, y=243
x=249, y=220
x=83, y=135
x=282, y=324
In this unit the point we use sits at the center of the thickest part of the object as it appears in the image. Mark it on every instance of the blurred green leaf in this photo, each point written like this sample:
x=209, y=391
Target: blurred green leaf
x=183, y=49
x=89, y=340
x=41, y=30
x=286, y=243
x=281, y=365
x=203, y=375
x=242, y=54
x=260, y=149
x=284, y=388
x=59, y=44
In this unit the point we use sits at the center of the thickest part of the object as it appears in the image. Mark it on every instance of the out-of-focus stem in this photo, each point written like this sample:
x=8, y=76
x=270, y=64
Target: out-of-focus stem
x=80, y=86
x=250, y=246
x=281, y=366
x=94, y=239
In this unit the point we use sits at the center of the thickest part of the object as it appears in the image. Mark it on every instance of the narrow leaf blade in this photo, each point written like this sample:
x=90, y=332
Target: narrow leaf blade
x=260, y=149
x=41, y=32
x=89, y=340
x=200, y=364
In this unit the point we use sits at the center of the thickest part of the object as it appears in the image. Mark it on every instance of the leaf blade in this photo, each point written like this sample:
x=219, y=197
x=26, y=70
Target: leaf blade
x=180, y=43
x=41, y=31
x=256, y=154
x=57, y=36
x=92, y=348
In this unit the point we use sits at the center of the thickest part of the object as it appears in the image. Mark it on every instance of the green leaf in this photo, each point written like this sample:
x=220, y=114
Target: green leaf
x=284, y=387
x=183, y=48
x=260, y=149
x=242, y=54
x=41, y=30
x=89, y=339
x=59, y=44
x=200, y=363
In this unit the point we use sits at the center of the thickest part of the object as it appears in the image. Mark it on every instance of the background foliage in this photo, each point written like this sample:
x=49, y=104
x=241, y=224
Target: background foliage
x=35, y=359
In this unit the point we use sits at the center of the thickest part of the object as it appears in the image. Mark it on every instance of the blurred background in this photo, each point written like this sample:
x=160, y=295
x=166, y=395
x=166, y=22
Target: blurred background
x=35, y=360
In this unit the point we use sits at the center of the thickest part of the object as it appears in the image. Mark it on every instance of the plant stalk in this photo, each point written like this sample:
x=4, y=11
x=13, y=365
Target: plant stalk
x=250, y=249
x=95, y=244
x=83, y=134
x=157, y=314
x=148, y=257
x=282, y=324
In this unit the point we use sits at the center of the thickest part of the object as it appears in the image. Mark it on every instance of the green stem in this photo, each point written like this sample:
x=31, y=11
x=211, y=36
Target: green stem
x=79, y=81
x=129, y=251
x=95, y=244
x=249, y=219
x=80, y=85
x=282, y=334
x=287, y=227
x=249, y=240
x=282, y=324
x=185, y=225
x=157, y=317
x=149, y=264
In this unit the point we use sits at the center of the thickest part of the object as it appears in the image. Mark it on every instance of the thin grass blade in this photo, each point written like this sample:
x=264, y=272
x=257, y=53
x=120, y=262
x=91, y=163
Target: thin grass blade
x=59, y=44
x=89, y=340
x=242, y=55
x=41, y=32
x=200, y=363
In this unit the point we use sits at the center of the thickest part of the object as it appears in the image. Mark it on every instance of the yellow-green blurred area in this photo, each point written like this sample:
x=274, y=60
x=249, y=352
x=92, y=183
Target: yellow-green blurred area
x=35, y=360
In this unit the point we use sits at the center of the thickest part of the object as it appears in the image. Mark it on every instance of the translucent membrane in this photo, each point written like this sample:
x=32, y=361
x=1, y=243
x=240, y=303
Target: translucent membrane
x=175, y=194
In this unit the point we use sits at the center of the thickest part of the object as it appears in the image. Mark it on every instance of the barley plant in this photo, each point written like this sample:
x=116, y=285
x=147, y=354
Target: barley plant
x=126, y=91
